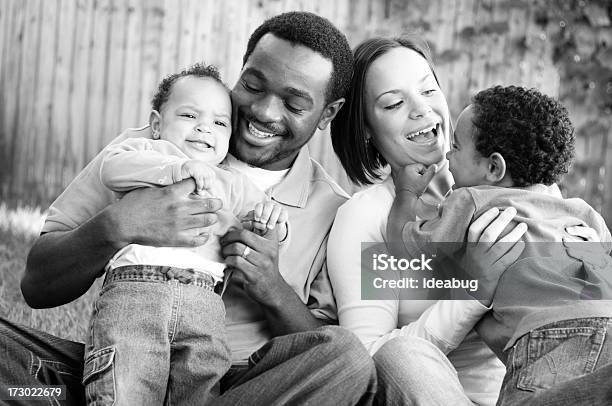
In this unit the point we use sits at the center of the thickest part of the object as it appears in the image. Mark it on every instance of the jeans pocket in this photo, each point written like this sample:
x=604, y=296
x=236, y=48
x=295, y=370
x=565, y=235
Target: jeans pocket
x=556, y=355
x=99, y=377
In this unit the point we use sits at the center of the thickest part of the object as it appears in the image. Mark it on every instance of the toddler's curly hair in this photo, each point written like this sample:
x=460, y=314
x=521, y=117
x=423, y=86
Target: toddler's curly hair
x=530, y=130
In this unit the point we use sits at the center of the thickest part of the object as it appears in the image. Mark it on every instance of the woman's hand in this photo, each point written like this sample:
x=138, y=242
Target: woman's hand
x=414, y=178
x=487, y=255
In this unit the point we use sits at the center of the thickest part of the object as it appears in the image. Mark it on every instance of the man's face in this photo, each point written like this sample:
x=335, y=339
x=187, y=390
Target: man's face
x=278, y=101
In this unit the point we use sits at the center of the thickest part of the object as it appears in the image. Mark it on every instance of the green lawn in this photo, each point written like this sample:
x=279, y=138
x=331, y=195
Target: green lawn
x=18, y=230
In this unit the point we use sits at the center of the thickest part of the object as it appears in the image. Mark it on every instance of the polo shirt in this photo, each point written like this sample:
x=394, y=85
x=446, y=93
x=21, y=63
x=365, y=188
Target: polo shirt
x=311, y=198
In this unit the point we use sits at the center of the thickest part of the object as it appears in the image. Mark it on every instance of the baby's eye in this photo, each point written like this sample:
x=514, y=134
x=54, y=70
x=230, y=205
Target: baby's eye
x=221, y=123
x=187, y=115
x=394, y=105
x=454, y=146
x=429, y=92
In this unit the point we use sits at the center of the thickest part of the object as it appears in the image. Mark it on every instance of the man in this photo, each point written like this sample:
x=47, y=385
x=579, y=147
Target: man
x=295, y=72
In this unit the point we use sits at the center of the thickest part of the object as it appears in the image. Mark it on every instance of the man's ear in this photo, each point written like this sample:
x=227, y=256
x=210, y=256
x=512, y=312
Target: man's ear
x=155, y=123
x=496, y=168
x=329, y=113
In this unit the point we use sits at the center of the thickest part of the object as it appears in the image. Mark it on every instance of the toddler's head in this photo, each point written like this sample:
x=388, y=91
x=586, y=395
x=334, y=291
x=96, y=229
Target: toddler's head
x=511, y=136
x=192, y=109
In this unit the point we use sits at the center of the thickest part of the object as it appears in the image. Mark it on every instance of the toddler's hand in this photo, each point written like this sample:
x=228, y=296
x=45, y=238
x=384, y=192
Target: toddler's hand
x=414, y=178
x=201, y=172
x=267, y=215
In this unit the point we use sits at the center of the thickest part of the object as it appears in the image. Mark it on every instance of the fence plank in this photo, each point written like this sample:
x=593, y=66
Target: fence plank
x=79, y=88
x=11, y=49
x=24, y=131
x=130, y=114
x=151, y=49
x=115, y=75
x=60, y=150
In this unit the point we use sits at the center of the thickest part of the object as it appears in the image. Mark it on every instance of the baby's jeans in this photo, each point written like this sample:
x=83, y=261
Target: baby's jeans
x=157, y=337
x=563, y=363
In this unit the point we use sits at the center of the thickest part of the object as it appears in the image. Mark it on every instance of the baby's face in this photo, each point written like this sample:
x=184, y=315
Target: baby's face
x=197, y=118
x=468, y=167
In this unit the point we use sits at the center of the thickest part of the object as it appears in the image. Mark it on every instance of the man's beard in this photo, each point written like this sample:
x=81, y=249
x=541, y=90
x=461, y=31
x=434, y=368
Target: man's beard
x=270, y=156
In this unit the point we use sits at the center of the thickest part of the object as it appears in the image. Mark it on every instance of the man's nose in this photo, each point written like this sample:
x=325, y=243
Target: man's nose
x=267, y=109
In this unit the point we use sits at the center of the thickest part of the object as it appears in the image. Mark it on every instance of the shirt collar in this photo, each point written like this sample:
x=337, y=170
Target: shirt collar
x=294, y=189
x=552, y=190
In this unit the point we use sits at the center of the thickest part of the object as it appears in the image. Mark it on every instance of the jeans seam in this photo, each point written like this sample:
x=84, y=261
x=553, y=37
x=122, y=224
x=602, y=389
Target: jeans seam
x=596, y=352
x=176, y=298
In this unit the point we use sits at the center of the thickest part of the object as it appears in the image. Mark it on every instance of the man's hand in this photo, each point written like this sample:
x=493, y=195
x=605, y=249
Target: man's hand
x=487, y=257
x=414, y=178
x=254, y=261
x=171, y=216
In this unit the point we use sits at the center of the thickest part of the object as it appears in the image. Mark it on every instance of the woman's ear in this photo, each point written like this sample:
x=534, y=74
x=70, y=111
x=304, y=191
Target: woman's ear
x=496, y=168
x=155, y=123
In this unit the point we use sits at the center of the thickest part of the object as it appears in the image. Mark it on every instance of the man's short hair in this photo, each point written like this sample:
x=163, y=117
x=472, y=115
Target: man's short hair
x=316, y=33
x=200, y=70
x=530, y=130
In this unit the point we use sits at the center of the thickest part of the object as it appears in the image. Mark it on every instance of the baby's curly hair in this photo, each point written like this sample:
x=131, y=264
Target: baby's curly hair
x=316, y=33
x=529, y=129
x=200, y=70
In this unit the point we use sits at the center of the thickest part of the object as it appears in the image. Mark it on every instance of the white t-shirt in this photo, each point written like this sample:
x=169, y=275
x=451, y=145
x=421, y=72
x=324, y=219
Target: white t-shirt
x=262, y=178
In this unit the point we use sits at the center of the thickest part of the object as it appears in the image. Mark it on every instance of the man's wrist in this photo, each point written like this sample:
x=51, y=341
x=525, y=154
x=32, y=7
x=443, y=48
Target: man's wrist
x=113, y=230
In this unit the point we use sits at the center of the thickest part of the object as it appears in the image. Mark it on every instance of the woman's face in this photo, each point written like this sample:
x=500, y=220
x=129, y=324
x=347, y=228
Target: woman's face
x=406, y=113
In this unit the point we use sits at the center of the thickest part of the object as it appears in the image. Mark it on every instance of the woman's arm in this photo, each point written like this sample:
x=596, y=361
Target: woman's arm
x=445, y=323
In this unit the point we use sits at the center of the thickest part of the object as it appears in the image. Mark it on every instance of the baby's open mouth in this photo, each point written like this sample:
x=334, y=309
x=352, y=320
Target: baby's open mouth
x=201, y=145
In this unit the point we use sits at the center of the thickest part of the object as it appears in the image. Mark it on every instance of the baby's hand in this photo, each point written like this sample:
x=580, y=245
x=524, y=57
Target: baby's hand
x=201, y=172
x=267, y=215
x=414, y=178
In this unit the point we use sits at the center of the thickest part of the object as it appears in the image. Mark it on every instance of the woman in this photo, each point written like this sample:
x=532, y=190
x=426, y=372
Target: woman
x=396, y=114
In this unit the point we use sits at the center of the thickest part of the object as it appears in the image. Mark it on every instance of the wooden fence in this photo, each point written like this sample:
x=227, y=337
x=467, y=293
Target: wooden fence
x=73, y=73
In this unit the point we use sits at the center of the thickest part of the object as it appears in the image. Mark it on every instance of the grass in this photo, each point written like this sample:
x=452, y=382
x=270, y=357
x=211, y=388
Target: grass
x=19, y=228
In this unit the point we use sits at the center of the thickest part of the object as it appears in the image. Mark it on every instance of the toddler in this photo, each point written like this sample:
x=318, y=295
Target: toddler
x=510, y=147
x=157, y=332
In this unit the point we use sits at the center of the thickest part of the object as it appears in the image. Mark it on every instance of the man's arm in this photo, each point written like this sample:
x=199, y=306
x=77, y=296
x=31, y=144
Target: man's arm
x=62, y=265
x=259, y=275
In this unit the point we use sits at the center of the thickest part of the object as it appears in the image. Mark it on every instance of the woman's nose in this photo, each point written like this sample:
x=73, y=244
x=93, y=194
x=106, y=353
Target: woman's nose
x=419, y=109
x=267, y=109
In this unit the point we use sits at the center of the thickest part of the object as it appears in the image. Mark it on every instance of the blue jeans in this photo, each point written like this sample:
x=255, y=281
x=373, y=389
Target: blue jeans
x=413, y=371
x=155, y=332
x=327, y=366
x=563, y=363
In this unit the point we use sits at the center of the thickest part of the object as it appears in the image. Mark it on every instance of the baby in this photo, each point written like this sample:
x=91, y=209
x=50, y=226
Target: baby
x=510, y=147
x=157, y=332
